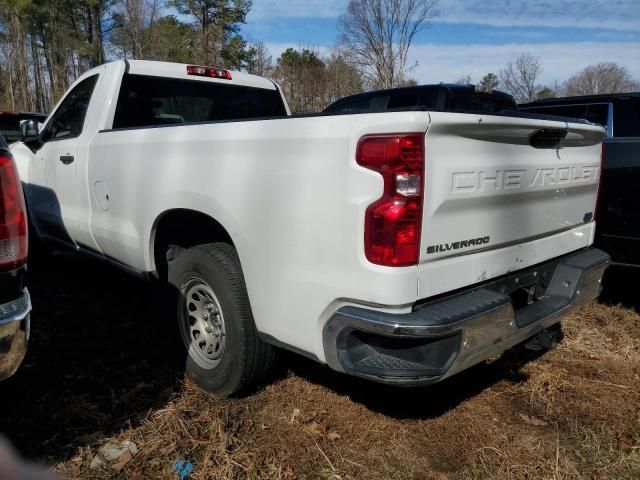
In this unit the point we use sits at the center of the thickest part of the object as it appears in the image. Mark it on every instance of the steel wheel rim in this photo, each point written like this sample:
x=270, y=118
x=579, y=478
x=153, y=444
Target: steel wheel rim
x=202, y=323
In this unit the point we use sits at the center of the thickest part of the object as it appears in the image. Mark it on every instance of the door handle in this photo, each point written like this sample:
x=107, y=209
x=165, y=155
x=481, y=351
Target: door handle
x=66, y=159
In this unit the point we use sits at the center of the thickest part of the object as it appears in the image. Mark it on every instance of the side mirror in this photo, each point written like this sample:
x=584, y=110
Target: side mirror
x=29, y=130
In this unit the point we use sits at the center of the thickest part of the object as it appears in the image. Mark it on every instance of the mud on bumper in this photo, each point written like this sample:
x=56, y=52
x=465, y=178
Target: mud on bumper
x=443, y=337
x=14, y=333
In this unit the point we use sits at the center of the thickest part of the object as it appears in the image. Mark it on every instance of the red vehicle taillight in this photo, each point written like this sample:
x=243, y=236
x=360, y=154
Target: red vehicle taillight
x=393, y=222
x=13, y=216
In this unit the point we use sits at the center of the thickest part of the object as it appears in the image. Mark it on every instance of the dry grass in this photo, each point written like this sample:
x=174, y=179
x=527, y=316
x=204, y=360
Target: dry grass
x=571, y=413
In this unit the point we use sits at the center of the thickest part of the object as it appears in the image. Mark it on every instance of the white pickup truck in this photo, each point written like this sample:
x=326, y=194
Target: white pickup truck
x=402, y=246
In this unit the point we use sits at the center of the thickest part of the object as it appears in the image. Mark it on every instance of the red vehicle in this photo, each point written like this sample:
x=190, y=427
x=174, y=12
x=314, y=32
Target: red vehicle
x=15, y=304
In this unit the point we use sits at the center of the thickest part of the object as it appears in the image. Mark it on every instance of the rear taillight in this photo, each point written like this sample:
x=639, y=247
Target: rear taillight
x=393, y=222
x=13, y=217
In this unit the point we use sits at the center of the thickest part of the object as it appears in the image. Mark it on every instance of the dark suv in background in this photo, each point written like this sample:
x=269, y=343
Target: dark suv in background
x=618, y=213
x=443, y=97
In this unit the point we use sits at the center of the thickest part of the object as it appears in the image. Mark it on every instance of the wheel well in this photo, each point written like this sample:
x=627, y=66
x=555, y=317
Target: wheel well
x=185, y=229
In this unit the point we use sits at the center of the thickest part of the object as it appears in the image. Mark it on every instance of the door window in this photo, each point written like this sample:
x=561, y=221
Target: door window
x=68, y=120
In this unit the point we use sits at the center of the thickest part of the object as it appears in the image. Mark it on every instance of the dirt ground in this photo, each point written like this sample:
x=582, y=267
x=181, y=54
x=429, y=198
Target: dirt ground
x=102, y=370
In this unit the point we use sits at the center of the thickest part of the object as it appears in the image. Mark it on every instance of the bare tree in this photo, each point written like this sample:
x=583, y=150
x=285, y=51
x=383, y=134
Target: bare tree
x=219, y=24
x=343, y=78
x=379, y=33
x=259, y=62
x=302, y=74
x=135, y=19
x=520, y=76
x=605, y=77
x=464, y=79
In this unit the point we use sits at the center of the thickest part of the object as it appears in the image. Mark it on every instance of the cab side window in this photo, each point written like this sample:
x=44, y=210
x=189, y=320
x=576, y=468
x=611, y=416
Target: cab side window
x=68, y=120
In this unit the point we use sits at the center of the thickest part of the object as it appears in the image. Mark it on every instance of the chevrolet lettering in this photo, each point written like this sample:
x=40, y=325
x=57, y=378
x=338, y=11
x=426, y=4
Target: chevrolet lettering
x=513, y=179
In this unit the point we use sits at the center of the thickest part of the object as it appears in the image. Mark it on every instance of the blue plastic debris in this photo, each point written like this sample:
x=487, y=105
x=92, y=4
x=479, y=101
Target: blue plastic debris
x=183, y=468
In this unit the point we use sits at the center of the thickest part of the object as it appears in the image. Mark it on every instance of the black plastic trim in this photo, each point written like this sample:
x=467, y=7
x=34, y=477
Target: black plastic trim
x=12, y=283
x=265, y=337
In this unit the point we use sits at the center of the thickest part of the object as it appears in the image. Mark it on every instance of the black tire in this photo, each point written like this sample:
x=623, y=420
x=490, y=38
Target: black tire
x=245, y=358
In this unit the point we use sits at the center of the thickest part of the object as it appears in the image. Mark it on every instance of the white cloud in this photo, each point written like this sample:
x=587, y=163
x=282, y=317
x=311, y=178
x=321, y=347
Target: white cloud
x=446, y=63
x=609, y=14
x=297, y=8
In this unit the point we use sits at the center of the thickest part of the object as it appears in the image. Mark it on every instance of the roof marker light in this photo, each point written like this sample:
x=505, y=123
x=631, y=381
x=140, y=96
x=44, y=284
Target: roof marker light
x=210, y=72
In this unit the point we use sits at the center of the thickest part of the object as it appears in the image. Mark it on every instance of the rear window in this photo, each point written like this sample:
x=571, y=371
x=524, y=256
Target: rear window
x=592, y=112
x=151, y=101
x=402, y=101
x=420, y=97
x=477, y=102
x=355, y=106
x=626, y=117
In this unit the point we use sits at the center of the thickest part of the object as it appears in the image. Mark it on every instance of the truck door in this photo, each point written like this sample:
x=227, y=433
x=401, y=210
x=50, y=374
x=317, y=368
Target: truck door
x=58, y=204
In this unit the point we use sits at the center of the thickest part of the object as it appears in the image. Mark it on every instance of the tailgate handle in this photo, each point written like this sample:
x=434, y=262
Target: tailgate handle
x=547, y=138
x=66, y=159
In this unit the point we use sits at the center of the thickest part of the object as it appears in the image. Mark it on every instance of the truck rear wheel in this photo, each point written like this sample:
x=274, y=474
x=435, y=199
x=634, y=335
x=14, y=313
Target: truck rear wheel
x=225, y=356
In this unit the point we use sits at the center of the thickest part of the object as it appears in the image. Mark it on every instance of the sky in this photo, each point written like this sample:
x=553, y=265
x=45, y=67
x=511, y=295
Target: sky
x=476, y=36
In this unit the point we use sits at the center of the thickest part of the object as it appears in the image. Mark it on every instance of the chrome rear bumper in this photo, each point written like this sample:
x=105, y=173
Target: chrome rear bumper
x=14, y=333
x=440, y=338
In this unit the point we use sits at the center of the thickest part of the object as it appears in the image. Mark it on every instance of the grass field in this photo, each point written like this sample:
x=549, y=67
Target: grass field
x=101, y=371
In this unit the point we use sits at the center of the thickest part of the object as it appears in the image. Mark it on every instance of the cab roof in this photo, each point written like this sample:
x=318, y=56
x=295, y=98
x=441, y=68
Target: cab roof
x=179, y=70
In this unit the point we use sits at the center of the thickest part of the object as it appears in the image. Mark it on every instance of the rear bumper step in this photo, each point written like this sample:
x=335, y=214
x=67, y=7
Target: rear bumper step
x=443, y=337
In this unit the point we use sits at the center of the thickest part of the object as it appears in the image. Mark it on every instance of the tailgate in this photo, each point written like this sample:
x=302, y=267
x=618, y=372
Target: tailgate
x=492, y=196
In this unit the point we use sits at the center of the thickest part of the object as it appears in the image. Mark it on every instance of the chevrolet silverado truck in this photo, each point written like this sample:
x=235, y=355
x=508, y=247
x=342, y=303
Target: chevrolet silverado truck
x=618, y=214
x=15, y=304
x=401, y=246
